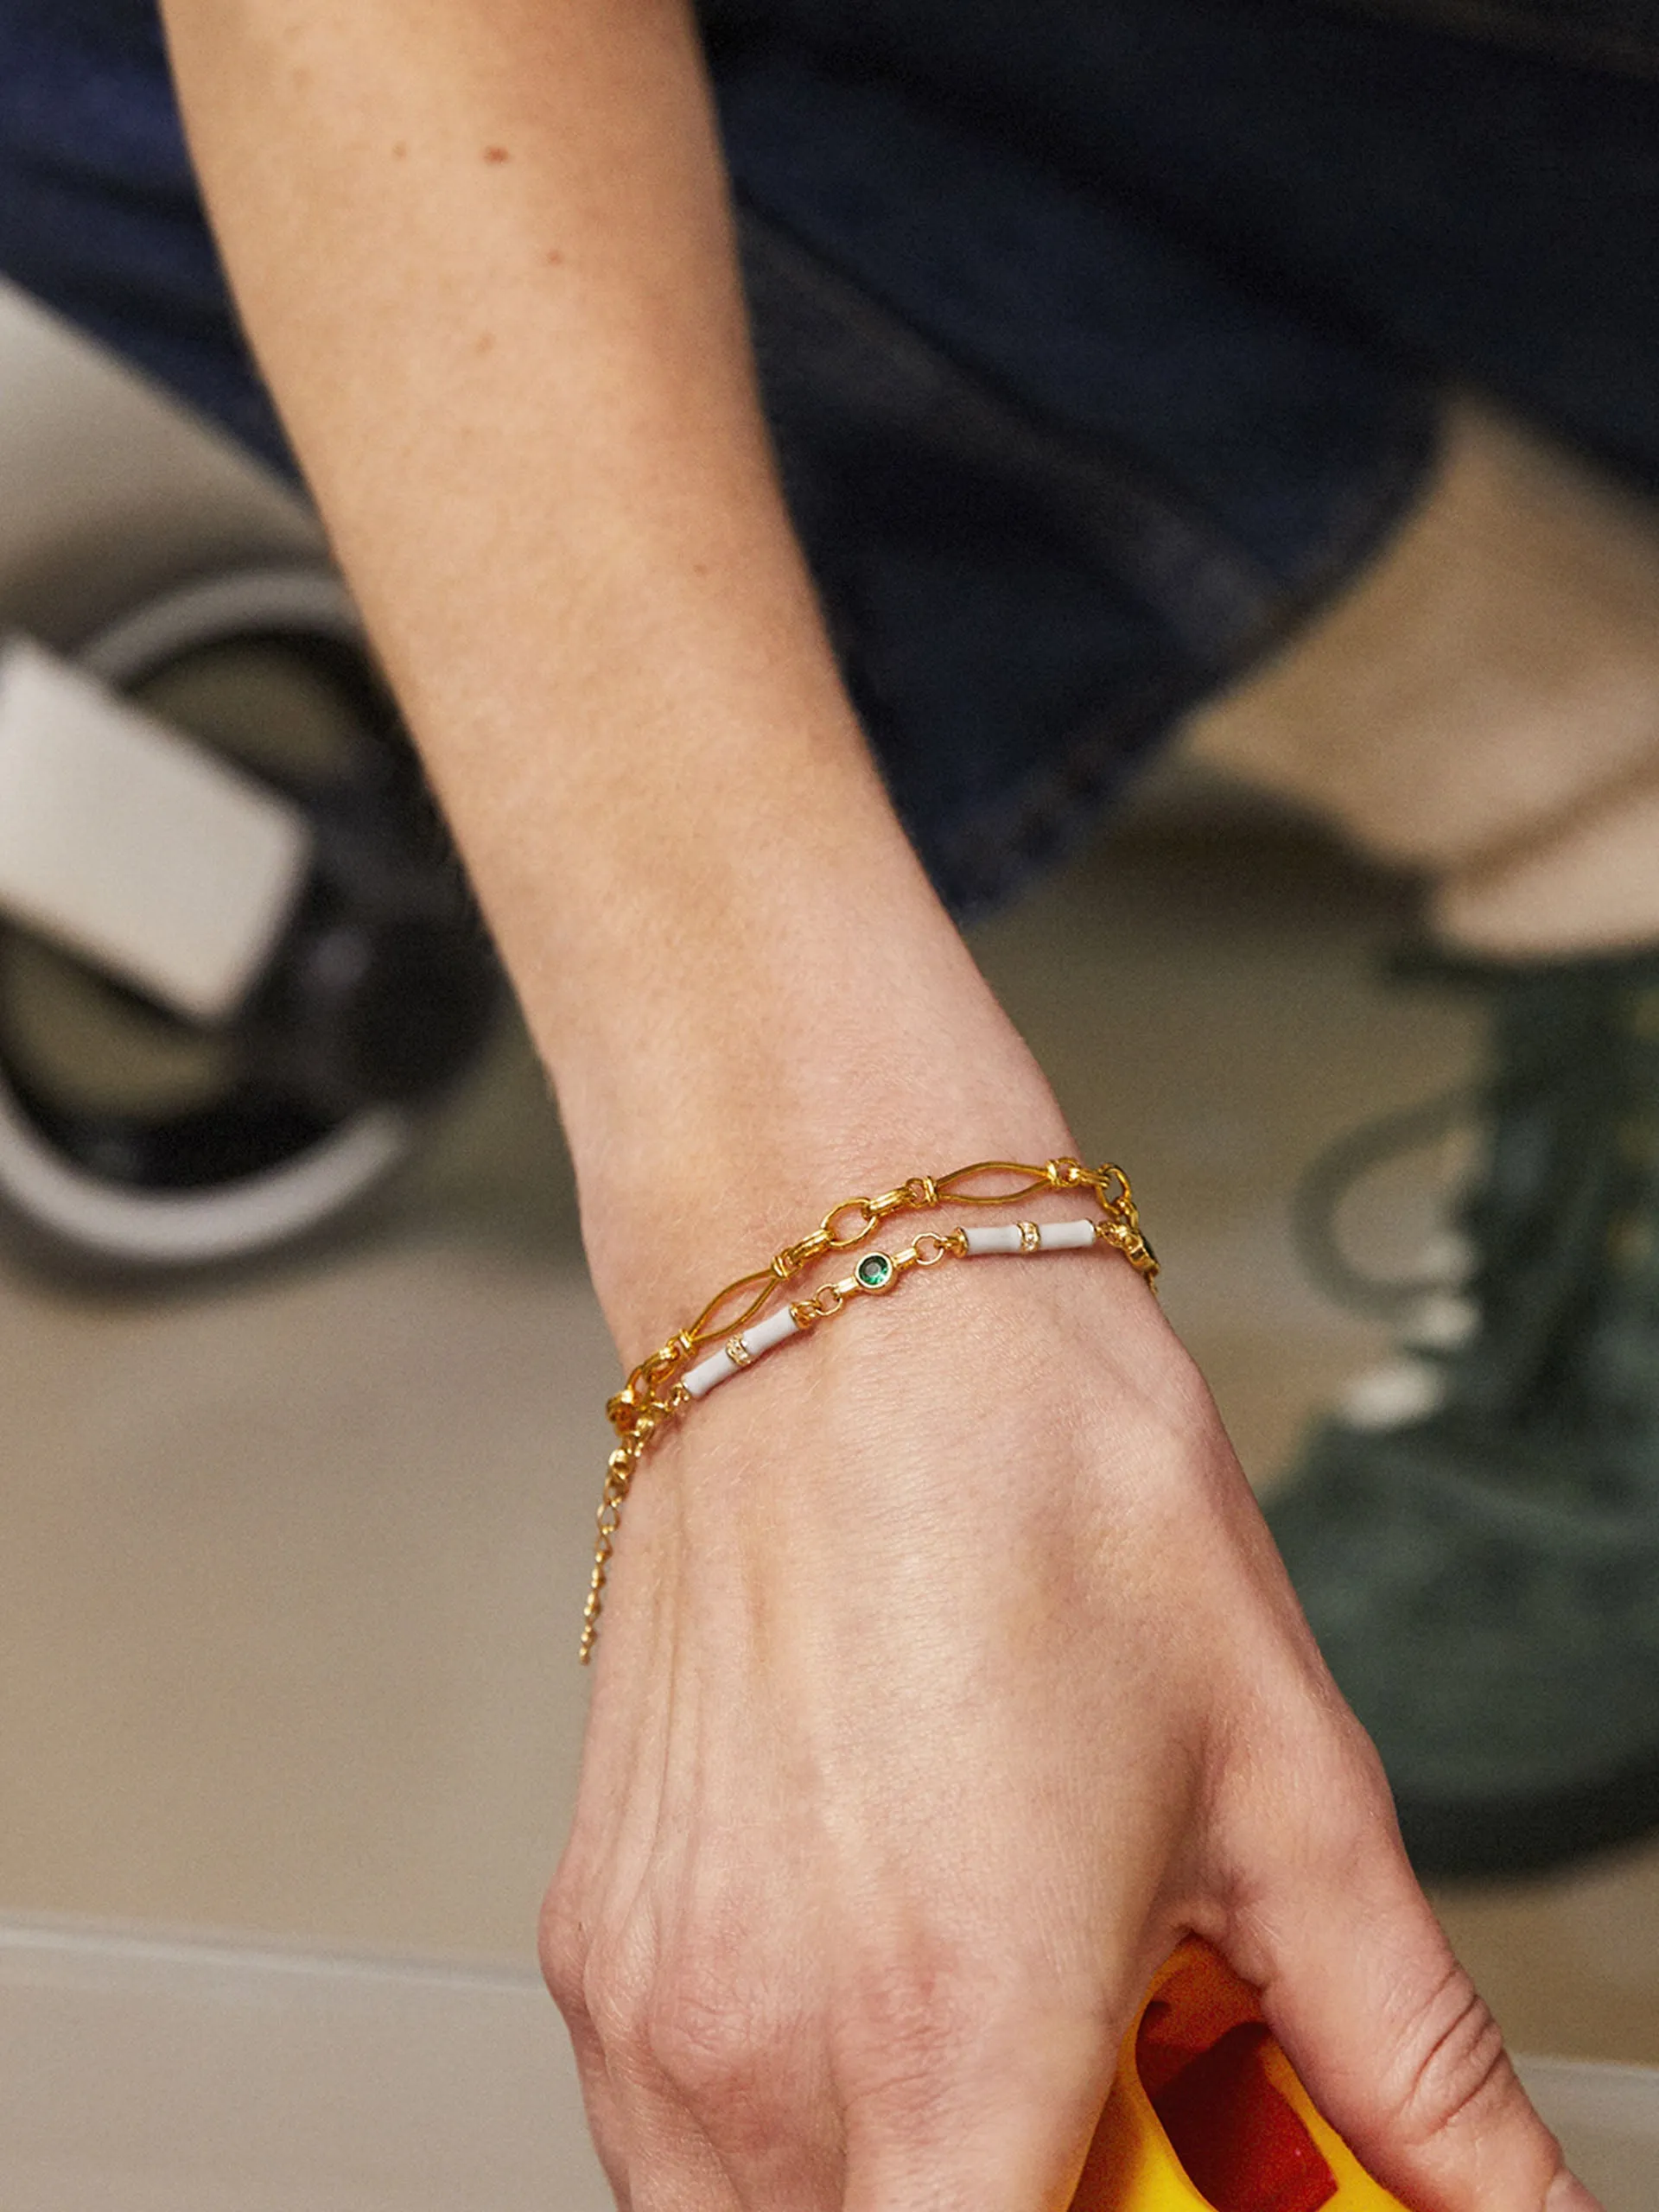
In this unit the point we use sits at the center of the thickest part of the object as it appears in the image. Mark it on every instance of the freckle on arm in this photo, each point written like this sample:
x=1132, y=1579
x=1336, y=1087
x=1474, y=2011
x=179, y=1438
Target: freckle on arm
x=495, y=153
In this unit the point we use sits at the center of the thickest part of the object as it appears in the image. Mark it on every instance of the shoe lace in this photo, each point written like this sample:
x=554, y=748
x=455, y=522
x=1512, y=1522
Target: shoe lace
x=1503, y=1312
x=1333, y=1176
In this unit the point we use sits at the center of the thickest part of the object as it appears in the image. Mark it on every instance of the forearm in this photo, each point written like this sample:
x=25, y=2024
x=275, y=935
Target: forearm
x=485, y=255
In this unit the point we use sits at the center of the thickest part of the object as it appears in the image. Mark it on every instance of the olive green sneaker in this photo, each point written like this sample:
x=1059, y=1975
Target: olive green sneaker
x=1476, y=1537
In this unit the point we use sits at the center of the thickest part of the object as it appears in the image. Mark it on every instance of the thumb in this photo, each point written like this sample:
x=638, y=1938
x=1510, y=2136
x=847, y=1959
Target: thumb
x=1391, y=2038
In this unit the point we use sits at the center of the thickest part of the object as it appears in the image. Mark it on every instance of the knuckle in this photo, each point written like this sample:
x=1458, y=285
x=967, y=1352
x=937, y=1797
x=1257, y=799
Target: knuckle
x=709, y=2034
x=1457, y=2072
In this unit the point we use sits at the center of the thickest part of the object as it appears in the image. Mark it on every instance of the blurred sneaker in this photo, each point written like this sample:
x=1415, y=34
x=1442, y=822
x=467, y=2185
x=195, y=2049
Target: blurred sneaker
x=1475, y=1536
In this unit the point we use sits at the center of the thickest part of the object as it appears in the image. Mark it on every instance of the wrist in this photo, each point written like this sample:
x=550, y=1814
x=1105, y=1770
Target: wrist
x=766, y=1011
x=682, y=1201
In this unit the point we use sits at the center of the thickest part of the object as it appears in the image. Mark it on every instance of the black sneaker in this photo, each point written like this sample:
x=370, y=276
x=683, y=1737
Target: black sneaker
x=1476, y=1538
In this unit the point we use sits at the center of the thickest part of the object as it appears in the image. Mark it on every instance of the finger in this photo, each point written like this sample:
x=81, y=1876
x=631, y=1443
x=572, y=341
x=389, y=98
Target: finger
x=671, y=2165
x=652, y=2152
x=563, y=1955
x=604, y=2110
x=657, y=2155
x=1392, y=2039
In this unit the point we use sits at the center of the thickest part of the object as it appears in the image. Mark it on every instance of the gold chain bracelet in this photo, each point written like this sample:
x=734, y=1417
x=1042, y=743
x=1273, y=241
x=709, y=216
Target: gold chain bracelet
x=657, y=1391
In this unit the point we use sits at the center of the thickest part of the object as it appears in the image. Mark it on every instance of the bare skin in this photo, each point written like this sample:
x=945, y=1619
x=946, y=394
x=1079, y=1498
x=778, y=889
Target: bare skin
x=949, y=1674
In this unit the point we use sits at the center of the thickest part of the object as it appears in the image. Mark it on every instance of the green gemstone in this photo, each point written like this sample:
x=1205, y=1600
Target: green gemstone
x=875, y=1271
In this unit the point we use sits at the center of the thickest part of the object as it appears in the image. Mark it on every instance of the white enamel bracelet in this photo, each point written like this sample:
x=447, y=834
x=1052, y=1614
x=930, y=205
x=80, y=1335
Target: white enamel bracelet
x=739, y=1351
x=876, y=1273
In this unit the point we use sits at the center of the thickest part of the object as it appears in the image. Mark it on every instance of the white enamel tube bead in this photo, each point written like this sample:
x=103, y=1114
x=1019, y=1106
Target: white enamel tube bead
x=1016, y=1236
x=1066, y=1236
x=702, y=1378
x=774, y=1330
x=980, y=1240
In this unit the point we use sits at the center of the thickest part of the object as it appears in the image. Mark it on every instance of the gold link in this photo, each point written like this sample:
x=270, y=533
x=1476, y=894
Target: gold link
x=1125, y=1237
x=892, y=1202
x=794, y=1257
x=951, y=1192
x=758, y=1286
x=869, y=1221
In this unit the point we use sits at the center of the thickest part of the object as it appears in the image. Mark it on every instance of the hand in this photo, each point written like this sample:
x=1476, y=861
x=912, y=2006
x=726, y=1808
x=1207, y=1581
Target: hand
x=948, y=1676
x=948, y=1673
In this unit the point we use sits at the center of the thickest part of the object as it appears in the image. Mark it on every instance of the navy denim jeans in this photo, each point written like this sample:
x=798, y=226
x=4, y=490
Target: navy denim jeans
x=1100, y=338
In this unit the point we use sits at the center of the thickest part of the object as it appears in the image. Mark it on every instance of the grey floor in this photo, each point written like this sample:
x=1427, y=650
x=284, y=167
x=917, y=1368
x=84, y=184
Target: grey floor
x=291, y=1567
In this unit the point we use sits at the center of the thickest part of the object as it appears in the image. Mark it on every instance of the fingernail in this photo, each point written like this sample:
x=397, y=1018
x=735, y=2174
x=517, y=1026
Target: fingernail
x=1566, y=2195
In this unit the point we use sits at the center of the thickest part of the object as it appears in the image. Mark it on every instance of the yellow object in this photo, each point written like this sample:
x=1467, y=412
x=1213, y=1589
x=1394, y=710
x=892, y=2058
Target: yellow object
x=1199, y=2053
